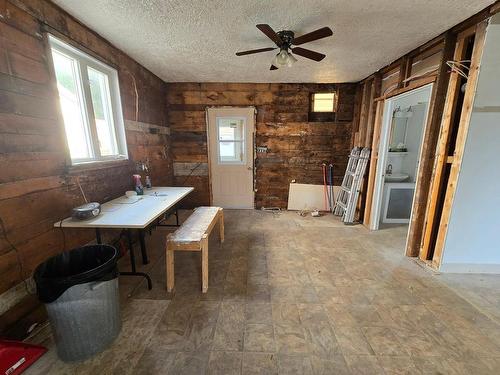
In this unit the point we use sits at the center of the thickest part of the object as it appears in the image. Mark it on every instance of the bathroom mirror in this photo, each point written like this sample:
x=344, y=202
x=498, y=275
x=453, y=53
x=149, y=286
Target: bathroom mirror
x=399, y=129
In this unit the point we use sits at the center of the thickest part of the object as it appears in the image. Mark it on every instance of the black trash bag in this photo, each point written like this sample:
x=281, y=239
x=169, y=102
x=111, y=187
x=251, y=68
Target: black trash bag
x=78, y=266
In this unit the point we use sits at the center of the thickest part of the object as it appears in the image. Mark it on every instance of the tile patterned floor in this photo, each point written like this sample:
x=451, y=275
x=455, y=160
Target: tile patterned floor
x=294, y=295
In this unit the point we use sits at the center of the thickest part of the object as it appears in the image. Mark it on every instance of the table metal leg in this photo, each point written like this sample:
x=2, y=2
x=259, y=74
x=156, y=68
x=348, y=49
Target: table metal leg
x=167, y=215
x=143, y=247
x=131, y=249
x=98, y=236
x=132, y=261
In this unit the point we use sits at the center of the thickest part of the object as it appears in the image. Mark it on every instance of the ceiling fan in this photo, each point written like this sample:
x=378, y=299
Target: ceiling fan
x=284, y=40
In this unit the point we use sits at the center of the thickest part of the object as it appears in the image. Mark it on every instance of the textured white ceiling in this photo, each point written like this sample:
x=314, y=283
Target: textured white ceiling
x=196, y=40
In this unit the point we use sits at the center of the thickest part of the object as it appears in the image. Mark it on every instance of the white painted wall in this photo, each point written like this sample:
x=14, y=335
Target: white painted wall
x=473, y=239
x=414, y=132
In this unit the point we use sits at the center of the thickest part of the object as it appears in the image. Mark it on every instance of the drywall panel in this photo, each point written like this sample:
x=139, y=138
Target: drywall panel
x=472, y=242
x=308, y=197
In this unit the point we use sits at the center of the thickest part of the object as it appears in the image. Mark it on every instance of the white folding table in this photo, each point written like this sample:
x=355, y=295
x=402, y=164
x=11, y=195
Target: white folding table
x=138, y=212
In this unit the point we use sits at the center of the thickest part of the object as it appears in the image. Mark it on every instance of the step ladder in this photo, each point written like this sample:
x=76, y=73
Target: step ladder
x=347, y=199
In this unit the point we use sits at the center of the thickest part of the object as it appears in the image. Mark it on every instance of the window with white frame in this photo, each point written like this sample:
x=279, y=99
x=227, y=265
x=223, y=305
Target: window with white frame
x=323, y=102
x=89, y=96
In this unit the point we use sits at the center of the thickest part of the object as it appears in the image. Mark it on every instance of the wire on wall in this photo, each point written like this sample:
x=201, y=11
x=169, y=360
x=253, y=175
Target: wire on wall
x=136, y=95
x=191, y=173
x=459, y=67
x=18, y=257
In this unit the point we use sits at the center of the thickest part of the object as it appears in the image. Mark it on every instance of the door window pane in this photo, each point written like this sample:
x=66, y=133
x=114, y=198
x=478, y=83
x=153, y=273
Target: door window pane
x=231, y=140
x=101, y=102
x=72, y=108
x=231, y=152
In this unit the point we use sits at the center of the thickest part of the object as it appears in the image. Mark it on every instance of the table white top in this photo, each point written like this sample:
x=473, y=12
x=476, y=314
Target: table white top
x=137, y=212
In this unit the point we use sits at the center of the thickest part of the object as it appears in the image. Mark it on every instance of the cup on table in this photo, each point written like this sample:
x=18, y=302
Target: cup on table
x=130, y=193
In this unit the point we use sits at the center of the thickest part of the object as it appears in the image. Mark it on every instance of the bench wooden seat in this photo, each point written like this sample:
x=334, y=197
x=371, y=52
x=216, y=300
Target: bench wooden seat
x=193, y=236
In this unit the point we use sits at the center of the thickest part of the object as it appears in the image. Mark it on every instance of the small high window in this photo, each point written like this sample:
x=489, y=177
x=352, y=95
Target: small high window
x=323, y=102
x=89, y=96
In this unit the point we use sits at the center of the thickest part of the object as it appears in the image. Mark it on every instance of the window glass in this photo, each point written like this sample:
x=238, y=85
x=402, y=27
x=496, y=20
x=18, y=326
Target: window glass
x=72, y=108
x=101, y=103
x=89, y=97
x=323, y=102
x=230, y=140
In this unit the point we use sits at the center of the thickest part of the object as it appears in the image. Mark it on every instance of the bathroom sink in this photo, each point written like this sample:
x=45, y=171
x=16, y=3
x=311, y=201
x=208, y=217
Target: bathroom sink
x=396, y=177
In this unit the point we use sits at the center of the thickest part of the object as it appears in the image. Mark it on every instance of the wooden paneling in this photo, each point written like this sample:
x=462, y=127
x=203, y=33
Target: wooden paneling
x=296, y=147
x=37, y=186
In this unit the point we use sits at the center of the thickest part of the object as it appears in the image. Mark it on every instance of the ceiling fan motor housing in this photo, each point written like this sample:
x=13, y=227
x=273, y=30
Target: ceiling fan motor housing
x=286, y=37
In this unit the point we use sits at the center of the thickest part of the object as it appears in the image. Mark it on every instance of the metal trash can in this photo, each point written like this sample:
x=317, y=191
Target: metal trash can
x=80, y=291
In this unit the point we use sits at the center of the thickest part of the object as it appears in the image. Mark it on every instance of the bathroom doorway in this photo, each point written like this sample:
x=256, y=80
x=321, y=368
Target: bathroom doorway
x=403, y=125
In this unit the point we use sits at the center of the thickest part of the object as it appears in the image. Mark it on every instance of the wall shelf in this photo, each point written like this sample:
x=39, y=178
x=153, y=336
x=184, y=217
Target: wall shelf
x=402, y=153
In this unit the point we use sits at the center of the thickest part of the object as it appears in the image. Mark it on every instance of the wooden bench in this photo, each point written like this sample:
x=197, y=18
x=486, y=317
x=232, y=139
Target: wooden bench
x=193, y=236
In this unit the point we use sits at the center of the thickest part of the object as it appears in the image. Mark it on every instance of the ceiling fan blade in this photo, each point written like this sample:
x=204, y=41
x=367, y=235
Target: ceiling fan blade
x=316, y=56
x=254, y=51
x=314, y=35
x=273, y=67
x=269, y=32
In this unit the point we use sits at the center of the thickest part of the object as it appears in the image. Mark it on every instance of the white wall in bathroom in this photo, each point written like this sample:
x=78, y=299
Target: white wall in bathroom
x=472, y=241
x=414, y=140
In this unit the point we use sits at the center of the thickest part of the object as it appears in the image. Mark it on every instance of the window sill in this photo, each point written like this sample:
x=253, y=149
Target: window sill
x=322, y=116
x=96, y=165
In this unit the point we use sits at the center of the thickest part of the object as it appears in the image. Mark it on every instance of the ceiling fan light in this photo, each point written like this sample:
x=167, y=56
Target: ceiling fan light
x=281, y=58
x=290, y=60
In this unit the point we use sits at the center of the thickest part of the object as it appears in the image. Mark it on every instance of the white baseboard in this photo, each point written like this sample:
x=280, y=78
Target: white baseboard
x=469, y=268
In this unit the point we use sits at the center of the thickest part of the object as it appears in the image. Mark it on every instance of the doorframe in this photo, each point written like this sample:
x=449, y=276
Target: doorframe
x=209, y=159
x=382, y=152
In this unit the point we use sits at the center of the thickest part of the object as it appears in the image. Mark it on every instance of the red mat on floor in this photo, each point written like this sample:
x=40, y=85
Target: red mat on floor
x=16, y=356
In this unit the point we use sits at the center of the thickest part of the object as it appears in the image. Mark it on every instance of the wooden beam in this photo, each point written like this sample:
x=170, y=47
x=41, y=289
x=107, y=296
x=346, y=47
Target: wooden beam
x=375, y=92
x=373, y=162
x=495, y=8
x=356, y=114
x=363, y=117
x=412, y=86
x=436, y=182
x=460, y=142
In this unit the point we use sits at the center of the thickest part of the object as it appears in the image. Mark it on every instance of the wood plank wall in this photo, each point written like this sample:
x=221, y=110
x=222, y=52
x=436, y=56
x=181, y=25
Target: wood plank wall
x=37, y=187
x=296, y=147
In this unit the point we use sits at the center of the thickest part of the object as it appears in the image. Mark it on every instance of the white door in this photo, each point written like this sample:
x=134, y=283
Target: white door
x=230, y=141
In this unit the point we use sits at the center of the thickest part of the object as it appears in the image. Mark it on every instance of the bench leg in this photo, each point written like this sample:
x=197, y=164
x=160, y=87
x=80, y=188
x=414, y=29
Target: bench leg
x=221, y=226
x=204, y=264
x=170, y=269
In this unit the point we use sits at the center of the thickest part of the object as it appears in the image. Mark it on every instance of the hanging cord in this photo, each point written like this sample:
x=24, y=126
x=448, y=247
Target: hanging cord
x=80, y=186
x=136, y=94
x=191, y=173
x=459, y=67
x=18, y=257
x=328, y=193
x=332, y=198
x=323, y=167
x=428, y=72
x=61, y=222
